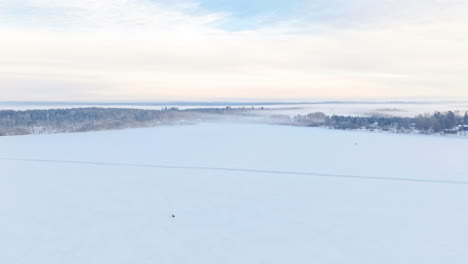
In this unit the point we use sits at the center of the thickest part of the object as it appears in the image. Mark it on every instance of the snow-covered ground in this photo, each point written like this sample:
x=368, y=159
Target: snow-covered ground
x=106, y=197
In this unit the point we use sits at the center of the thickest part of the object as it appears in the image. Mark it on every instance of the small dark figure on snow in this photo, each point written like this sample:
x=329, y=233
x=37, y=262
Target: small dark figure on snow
x=173, y=216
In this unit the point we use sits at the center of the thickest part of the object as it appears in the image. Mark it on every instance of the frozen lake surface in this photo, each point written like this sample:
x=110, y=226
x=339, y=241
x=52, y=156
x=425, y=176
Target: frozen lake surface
x=240, y=194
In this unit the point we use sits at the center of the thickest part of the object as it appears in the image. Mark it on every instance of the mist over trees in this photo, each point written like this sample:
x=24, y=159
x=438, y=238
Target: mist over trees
x=448, y=122
x=94, y=119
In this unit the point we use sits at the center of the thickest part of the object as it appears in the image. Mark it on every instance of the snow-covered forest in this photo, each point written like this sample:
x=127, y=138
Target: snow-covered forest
x=13, y=122
x=25, y=122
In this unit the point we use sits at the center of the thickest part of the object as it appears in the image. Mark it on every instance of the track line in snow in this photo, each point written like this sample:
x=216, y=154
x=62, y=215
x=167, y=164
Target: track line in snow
x=315, y=174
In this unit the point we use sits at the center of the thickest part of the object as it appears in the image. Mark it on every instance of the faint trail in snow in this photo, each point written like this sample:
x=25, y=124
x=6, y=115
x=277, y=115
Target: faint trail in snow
x=315, y=174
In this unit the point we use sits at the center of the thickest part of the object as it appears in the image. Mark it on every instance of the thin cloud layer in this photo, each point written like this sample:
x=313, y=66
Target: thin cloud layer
x=149, y=50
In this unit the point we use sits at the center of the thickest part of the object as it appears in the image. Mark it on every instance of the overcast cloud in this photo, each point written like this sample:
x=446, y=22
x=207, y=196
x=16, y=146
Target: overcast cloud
x=188, y=50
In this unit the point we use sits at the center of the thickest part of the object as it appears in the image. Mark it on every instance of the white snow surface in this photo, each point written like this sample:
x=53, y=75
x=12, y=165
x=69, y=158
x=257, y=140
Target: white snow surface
x=55, y=210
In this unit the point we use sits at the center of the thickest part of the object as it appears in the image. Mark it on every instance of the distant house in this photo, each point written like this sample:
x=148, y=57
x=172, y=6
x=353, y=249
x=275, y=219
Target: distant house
x=450, y=131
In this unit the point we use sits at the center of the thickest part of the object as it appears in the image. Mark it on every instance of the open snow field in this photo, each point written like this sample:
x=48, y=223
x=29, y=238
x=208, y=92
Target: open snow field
x=240, y=194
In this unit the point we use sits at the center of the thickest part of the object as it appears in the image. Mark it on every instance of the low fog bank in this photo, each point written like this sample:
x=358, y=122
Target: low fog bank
x=27, y=122
x=352, y=108
x=73, y=120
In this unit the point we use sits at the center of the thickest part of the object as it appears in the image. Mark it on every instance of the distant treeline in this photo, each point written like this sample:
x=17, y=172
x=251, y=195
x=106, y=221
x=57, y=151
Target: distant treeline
x=448, y=122
x=93, y=119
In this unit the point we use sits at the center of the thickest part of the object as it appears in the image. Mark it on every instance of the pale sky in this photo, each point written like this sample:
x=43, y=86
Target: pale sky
x=159, y=50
